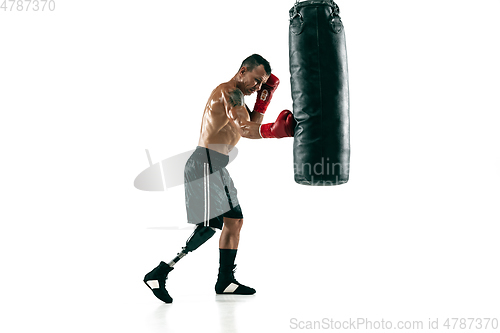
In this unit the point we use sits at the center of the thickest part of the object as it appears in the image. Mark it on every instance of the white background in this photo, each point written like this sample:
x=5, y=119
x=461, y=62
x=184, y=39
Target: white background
x=85, y=89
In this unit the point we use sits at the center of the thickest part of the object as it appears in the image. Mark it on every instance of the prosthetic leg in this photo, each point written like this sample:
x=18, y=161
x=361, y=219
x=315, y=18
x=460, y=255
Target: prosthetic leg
x=156, y=279
x=200, y=235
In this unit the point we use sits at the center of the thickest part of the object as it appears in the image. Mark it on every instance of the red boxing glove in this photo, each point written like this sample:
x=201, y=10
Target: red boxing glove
x=265, y=94
x=283, y=127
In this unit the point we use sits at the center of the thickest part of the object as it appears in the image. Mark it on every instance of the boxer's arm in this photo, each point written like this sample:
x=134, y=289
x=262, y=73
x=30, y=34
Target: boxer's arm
x=239, y=116
x=256, y=117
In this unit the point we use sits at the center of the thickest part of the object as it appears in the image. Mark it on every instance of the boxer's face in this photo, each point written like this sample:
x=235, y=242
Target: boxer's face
x=252, y=81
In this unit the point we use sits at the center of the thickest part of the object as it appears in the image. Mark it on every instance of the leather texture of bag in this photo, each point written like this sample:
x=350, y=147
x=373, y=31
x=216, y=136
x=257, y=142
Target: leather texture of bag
x=320, y=93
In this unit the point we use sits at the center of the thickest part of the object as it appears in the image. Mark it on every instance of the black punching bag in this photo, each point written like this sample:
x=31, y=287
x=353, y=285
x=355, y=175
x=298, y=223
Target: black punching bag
x=320, y=93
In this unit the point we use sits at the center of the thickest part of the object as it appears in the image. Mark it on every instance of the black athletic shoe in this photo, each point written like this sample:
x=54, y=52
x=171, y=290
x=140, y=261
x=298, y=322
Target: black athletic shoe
x=227, y=284
x=156, y=279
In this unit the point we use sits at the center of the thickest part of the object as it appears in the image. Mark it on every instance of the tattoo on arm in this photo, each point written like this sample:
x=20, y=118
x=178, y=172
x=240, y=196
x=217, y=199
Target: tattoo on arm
x=236, y=98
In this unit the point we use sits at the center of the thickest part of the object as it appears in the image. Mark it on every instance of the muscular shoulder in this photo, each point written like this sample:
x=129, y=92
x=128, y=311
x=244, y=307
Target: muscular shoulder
x=232, y=95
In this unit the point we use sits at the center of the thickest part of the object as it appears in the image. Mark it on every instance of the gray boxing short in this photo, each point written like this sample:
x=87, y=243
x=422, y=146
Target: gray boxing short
x=210, y=191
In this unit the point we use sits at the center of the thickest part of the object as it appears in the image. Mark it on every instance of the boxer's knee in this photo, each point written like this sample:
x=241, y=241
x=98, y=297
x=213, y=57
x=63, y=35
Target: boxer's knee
x=233, y=225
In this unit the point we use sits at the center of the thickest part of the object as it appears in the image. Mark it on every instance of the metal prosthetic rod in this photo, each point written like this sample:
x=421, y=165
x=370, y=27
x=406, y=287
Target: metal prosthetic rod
x=199, y=236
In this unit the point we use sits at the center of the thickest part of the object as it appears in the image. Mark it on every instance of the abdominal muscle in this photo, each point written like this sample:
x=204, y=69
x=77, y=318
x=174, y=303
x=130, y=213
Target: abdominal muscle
x=222, y=141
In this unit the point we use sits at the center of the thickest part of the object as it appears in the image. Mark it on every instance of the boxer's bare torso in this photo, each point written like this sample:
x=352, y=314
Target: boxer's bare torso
x=216, y=132
x=226, y=119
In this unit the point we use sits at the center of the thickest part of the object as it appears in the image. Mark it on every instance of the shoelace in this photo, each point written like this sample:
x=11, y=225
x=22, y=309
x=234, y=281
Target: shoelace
x=232, y=274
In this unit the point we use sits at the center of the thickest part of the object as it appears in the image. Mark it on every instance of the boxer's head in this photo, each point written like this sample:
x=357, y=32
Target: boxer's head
x=254, y=71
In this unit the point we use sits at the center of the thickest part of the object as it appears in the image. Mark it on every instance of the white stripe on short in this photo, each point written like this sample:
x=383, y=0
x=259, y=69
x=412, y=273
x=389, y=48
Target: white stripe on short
x=206, y=186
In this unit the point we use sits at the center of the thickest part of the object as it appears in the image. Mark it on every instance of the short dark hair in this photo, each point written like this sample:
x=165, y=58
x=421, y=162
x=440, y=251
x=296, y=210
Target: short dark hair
x=256, y=60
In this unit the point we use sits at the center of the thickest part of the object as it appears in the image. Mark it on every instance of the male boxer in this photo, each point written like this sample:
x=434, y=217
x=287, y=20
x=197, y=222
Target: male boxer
x=211, y=200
